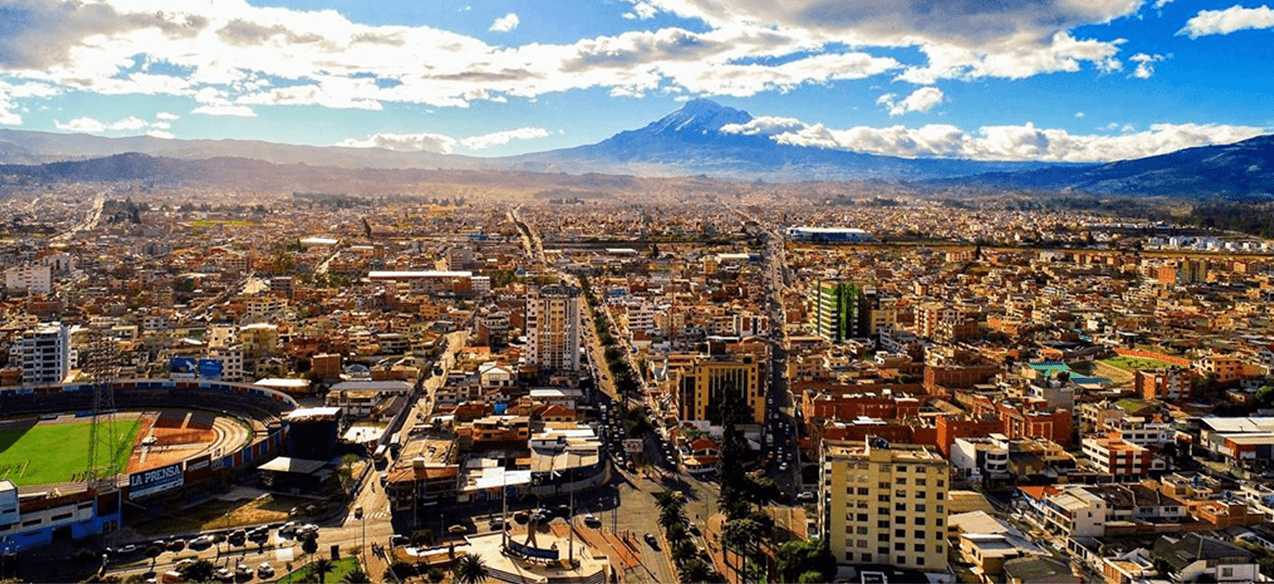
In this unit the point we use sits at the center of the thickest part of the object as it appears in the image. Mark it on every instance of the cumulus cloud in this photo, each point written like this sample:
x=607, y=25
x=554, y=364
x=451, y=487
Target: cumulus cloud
x=442, y=143
x=962, y=39
x=256, y=55
x=1232, y=19
x=91, y=126
x=169, y=116
x=920, y=100
x=1145, y=64
x=485, y=141
x=505, y=23
x=423, y=142
x=641, y=11
x=1023, y=142
x=242, y=111
x=1159, y=4
x=1079, y=114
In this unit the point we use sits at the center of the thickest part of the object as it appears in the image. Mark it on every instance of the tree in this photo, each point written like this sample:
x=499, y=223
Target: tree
x=436, y=575
x=740, y=535
x=671, y=514
x=697, y=570
x=356, y=576
x=322, y=568
x=811, y=577
x=796, y=558
x=471, y=569
x=1265, y=395
x=199, y=571
x=682, y=550
x=310, y=544
x=422, y=537
x=152, y=552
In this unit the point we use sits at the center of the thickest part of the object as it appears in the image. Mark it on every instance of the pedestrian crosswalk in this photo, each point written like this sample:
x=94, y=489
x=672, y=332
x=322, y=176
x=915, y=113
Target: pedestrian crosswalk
x=373, y=515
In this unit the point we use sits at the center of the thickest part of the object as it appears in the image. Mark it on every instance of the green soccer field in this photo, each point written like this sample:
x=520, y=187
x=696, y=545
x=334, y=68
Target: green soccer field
x=57, y=453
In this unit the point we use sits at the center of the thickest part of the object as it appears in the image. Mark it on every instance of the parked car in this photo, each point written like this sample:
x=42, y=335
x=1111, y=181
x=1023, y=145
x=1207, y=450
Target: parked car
x=457, y=529
x=592, y=520
x=176, y=545
x=399, y=539
x=265, y=570
x=651, y=540
x=805, y=496
x=202, y=542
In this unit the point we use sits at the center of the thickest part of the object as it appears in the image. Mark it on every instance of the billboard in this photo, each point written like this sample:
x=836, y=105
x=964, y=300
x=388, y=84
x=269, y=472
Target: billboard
x=185, y=365
x=532, y=552
x=210, y=368
x=633, y=445
x=142, y=484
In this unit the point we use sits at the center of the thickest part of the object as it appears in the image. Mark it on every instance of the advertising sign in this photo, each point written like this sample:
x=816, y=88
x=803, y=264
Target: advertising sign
x=210, y=368
x=184, y=365
x=531, y=552
x=633, y=445
x=142, y=484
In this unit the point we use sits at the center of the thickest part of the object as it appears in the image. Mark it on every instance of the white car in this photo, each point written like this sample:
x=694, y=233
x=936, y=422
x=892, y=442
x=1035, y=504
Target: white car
x=265, y=570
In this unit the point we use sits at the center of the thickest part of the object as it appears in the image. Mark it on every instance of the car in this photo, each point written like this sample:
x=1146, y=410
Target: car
x=497, y=523
x=176, y=545
x=287, y=528
x=521, y=517
x=564, y=510
x=399, y=539
x=783, y=467
x=243, y=571
x=202, y=542
x=651, y=540
x=592, y=520
x=223, y=575
x=127, y=549
x=265, y=570
x=805, y=496
x=457, y=529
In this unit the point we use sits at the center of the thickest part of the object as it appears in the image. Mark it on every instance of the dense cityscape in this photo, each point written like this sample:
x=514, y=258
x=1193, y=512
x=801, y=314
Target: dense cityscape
x=436, y=389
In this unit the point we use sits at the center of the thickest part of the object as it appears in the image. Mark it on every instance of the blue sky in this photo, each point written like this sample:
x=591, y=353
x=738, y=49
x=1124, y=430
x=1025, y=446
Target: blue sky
x=1026, y=80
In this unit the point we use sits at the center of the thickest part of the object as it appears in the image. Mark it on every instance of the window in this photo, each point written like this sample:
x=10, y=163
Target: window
x=900, y=520
x=901, y=480
x=883, y=550
x=32, y=522
x=939, y=521
x=940, y=510
x=902, y=560
x=942, y=483
x=1227, y=572
x=919, y=521
x=919, y=534
x=861, y=530
x=860, y=517
x=900, y=493
x=863, y=491
x=920, y=507
x=900, y=468
x=883, y=524
x=941, y=495
x=862, y=543
x=882, y=485
x=900, y=547
x=900, y=506
x=900, y=533
x=883, y=537
x=920, y=482
x=938, y=548
x=60, y=517
x=866, y=557
x=882, y=498
x=920, y=548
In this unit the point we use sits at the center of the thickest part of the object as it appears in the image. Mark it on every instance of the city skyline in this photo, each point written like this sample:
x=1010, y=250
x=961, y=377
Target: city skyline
x=1045, y=81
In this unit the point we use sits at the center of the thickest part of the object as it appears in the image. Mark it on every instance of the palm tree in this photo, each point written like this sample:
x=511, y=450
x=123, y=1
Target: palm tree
x=697, y=570
x=670, y=515
x=739, y=535
x=322, y=568
x=471, y=569
x=356, y=576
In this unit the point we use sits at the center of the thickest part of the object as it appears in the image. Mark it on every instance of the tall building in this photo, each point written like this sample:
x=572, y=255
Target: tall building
x=553, y=327
x=883, y=504
x=844, y=311
x=35, y=278
x=43, y=354
x=703, y=384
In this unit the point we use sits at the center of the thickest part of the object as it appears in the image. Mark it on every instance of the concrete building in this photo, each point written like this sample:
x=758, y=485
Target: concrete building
x=31, y=278
x=882, y=504
x=701, y=387
x=43, y=354
x=553, y=327
x=838, y=311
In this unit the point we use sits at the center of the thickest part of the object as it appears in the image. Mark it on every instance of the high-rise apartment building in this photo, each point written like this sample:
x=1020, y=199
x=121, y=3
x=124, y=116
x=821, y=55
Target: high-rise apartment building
x=843, y=311
x=43, y=354
x=553, y=327
x=883, y=504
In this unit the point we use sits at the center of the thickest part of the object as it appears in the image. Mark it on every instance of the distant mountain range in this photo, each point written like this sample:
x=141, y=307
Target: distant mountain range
x=687, y=142
x=1241, y=169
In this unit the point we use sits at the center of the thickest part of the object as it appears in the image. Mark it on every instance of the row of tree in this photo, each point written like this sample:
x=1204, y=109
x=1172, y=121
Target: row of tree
x=693, y=565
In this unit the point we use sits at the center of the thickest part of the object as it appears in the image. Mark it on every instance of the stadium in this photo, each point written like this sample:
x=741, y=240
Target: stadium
x=163, y=434
x=829, y=235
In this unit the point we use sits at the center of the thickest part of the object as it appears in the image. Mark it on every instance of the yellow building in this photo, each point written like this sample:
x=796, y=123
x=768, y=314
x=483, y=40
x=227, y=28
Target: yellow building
x=883, y=504
x=259, y=340
x=702, y=385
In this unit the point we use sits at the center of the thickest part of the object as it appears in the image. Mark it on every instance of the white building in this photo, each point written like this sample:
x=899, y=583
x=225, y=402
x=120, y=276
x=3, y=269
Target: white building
x=981, y=457
x=43, y=354
x=31, y=277
x=553, y=327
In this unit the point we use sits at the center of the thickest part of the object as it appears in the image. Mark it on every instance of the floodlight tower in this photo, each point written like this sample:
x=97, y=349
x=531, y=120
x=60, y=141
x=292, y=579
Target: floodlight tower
x=100, y=363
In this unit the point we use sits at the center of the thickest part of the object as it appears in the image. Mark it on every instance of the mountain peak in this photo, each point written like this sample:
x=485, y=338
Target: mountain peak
x=699, y=116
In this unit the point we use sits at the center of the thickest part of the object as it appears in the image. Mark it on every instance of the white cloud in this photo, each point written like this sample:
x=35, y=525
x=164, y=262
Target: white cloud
x=1024, y=142
x=920, y=100
x=641, y=11
x=242, y=111
x=251, y=55
x=91, y=126
x=1079, y=114
x=169, y=116
x=442, y=143
x=1232, y=19
x=1145, y=64
x=500, y=138
x=1159, y=4
x=423, y=142
x=505, y=23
